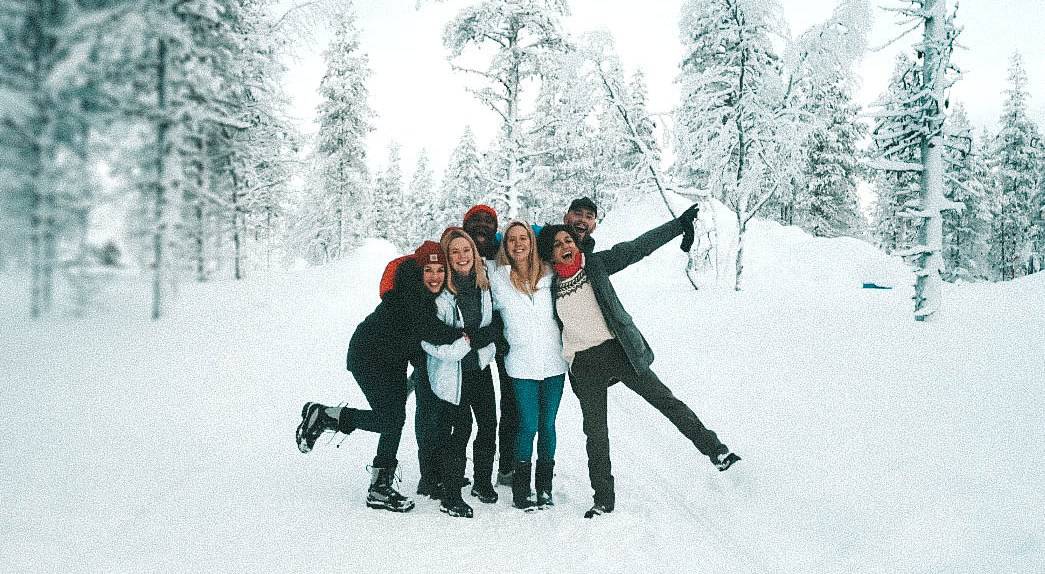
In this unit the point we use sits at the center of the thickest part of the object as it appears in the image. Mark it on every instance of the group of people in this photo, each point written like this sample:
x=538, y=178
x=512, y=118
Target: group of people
x=536, y=303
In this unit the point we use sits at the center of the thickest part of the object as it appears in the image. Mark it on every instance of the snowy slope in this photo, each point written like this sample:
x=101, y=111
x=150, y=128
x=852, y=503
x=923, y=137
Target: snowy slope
x=871, y=443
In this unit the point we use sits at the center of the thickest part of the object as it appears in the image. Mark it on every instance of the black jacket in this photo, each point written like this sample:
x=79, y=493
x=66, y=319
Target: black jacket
x=393, y=332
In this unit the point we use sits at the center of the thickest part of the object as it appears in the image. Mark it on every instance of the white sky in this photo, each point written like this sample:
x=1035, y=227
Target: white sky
x=421, y=103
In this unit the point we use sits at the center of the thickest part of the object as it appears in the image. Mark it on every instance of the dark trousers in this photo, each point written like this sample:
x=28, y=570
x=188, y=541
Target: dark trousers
x=426, y=428
x=385, y=387
x=508, y=427
x=455, y=428
x=592, y=373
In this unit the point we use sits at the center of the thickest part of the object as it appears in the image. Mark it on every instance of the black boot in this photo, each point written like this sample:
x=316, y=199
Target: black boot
x=382, y=494
x=522, y=497
x=452, y=503
x=543, y=482
x=484, y=492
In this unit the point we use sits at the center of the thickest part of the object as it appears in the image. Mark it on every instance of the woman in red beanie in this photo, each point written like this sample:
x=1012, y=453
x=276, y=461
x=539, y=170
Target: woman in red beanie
x=377, y=356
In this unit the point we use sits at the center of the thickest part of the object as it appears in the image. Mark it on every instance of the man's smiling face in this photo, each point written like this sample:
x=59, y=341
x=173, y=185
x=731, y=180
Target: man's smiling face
x=582, y=220
x=483, y=229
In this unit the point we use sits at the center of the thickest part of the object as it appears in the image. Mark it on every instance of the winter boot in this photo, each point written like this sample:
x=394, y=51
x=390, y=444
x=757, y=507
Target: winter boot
x=522, y=497
x=314, y=422
x=504, y=477
x=543, y=482
x=598, y=510
x=452, y=503
x=382, y=494
x=724, y=460
x=484, y=492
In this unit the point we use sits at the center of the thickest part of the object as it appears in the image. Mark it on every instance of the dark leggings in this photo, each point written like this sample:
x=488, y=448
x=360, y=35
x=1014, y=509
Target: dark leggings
x=385, y=387
x=455, y=428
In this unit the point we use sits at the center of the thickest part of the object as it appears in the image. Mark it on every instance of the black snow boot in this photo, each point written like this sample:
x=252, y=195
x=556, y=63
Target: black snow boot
x=543, y=482
x=382, y=495
x=429, y=486
x=452, y=503
x=522, y=497
x=598, y=510
x=724, y=460
x=484, y=492
x=314, y=422
x=504, y=477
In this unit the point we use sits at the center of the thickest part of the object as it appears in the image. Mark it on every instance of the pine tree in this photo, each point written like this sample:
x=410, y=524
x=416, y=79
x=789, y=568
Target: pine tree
x=421, y=204
x=463, y=184
x=1016, y=166
x=389, y=201
x=345, y=119
x=965, y=230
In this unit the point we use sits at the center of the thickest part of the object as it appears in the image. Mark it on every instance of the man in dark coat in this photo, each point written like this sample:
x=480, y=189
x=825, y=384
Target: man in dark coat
x=603, y=345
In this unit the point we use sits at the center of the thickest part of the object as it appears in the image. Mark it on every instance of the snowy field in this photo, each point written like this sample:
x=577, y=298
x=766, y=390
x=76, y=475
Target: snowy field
x=871, y=443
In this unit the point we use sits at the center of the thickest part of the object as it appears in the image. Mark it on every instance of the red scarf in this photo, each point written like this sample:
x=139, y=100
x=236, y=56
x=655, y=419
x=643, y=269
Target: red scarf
x=567, y=270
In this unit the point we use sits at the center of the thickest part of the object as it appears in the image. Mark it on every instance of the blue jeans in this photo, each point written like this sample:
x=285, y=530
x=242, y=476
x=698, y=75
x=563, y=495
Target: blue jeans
x=538, y=403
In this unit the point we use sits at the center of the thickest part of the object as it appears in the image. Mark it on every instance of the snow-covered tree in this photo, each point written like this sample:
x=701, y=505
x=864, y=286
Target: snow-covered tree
x=1016, y=163
x=49, y=97
x=514, y=39
x=420, y=205
x=920, y=124
x=389, y=201
x=463, y=184
x=965, y=229
x=896, y=189
x=345, y=119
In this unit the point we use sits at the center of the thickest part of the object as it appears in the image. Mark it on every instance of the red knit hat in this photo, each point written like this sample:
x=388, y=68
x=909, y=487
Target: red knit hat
x=480, y=208
x=429, y=252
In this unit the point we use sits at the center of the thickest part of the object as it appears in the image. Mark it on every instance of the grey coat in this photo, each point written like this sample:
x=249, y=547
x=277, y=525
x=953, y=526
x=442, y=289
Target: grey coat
x=599, y=266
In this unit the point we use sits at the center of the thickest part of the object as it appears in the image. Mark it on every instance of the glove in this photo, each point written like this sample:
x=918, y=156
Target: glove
x=687, y=217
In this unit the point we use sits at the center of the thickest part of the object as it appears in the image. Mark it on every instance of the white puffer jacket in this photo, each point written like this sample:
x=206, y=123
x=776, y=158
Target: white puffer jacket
x=534, y=339
x=444, y=361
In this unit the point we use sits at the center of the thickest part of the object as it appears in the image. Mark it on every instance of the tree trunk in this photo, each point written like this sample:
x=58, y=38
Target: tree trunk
x=237, y=257
x=930, y=234
x=741, y=229
x=160, y=205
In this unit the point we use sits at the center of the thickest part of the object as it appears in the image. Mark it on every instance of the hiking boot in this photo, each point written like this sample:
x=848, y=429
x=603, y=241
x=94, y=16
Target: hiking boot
x=485, y=493
x=314, y=422
x=598, y=510
x=724, y=460
x=382, y=495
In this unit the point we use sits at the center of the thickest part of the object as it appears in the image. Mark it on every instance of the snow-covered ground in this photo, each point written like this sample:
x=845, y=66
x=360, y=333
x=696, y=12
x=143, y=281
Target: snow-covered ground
x=871, y=443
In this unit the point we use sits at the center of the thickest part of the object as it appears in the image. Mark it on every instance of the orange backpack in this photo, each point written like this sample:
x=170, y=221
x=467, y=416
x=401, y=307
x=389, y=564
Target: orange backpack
x=388, y=278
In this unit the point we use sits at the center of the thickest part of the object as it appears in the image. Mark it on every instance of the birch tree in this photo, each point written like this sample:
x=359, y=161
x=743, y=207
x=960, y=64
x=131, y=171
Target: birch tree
x=513, y=39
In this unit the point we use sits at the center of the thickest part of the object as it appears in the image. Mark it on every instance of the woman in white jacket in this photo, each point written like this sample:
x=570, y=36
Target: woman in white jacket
x=459, y=374
x=521, y=286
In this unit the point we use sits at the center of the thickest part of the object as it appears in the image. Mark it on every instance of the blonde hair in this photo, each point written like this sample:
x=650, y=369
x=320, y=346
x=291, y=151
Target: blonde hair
x=526, y=284
x=481, y=281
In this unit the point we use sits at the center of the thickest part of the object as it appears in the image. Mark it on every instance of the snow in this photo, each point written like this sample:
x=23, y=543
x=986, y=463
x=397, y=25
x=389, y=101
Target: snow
x=871, y=443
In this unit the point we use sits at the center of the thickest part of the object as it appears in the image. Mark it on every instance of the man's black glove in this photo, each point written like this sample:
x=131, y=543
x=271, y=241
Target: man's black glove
x=687, y=217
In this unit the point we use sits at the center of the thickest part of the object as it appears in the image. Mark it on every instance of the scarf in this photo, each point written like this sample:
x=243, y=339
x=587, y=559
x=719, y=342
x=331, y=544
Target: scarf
x=567, y=270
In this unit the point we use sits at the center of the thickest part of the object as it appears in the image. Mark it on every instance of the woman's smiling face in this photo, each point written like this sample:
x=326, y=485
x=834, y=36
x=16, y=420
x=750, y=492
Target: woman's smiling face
x=462, y=259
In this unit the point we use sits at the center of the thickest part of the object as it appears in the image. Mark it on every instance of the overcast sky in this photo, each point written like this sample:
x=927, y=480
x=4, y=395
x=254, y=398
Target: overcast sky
x=421, y=103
